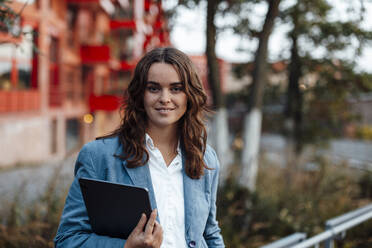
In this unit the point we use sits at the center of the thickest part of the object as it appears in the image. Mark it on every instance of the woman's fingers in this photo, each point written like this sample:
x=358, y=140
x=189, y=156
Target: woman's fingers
x=153, y=235
x=157, y=234
x=158, y=230
x=140, y=225
x=150, y=224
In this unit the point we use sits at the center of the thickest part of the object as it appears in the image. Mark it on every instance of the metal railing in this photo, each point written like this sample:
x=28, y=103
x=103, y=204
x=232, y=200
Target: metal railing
x=287, y=241
x=335, y=229
x=330, y=224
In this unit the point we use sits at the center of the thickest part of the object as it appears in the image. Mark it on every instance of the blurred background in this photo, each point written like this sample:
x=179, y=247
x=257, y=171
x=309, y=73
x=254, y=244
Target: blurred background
x=290, y=83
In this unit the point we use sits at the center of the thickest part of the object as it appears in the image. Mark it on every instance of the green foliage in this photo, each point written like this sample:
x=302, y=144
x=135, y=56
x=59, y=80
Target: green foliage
x=282, y=206
x=365, y=184
x=233, y=212
x=7, y=16
x=34, y=225
x=317, y=41
x=364, y=132
x=10, y=21
x=327, y=109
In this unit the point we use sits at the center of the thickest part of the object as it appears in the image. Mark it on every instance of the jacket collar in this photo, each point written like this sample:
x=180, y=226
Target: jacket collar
x=192, y=188
x=140, y=176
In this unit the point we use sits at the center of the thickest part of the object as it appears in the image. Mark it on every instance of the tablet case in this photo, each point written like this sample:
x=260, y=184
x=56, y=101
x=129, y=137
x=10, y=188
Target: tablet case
x=114, y=209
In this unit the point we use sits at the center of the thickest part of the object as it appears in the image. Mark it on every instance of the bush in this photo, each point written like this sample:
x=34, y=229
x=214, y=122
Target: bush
x=365, y=184
x=34, y=225
x=284, y=204
x=364, y=132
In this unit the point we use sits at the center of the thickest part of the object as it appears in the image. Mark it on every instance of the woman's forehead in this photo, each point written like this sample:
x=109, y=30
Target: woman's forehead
x=163, y=72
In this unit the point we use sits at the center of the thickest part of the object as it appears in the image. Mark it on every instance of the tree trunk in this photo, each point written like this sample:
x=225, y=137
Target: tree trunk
x=213, y=69
x=254, y=117
x=293, y=110
x=219, y=133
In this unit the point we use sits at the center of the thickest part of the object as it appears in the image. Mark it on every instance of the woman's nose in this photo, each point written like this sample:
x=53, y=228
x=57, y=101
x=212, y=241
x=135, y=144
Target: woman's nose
x=165, y=96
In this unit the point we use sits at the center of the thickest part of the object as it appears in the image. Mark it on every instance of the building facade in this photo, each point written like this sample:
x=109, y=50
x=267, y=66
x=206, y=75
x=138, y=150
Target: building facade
x=64, y=65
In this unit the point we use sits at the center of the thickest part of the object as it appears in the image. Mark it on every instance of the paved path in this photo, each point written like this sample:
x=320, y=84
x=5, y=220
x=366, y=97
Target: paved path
x=357, y=154
x=29, y=183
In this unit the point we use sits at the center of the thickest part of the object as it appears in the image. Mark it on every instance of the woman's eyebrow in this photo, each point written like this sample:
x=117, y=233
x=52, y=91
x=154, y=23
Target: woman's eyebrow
x=152, y=82
x=172, y=84
x=176, y=83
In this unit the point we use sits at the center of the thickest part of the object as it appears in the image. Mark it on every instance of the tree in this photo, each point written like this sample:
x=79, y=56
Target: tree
x=9, y=19
x=311, y=30
x=252, y=126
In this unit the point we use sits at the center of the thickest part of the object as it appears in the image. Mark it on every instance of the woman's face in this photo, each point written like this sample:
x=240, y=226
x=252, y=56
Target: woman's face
x=165, y=100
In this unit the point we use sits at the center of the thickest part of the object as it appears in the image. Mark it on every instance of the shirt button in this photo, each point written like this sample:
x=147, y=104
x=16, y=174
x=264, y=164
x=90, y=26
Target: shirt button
x=192, y=243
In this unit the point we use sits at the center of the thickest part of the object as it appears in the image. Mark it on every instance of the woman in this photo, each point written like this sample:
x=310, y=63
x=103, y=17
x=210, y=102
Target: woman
x=160, y=145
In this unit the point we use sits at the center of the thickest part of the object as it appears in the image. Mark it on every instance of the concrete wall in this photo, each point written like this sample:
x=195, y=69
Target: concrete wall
x=24, y=140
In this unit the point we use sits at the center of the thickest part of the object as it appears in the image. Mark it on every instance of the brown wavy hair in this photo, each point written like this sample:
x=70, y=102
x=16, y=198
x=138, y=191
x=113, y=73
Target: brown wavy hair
x=193, y=135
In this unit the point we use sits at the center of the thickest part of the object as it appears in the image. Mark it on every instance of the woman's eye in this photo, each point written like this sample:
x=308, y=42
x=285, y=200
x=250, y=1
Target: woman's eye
x=152, y=89
x=177, y=89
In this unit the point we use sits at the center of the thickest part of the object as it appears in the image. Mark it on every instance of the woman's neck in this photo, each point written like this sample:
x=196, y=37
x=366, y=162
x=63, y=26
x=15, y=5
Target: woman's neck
x=164, y=137
x=166, y=140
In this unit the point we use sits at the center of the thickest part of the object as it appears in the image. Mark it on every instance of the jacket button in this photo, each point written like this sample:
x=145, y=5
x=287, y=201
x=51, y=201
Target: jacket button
x=192, y=243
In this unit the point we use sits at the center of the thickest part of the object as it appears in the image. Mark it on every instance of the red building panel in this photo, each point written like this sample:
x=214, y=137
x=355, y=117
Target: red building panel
x=82, y=1
x=125, y=66
x=94, y=54
x=104, y=102
x=115, y=24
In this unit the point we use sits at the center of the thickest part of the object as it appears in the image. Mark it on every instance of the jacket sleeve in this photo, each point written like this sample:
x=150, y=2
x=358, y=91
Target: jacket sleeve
x=74, y=229
x=212, y=232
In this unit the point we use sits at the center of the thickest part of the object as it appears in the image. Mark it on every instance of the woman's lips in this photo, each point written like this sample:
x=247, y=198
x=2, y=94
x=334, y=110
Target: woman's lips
x=164, y=110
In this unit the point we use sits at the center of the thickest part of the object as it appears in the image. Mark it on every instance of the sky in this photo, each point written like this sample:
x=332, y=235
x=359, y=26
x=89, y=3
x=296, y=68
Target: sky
x=188, y=35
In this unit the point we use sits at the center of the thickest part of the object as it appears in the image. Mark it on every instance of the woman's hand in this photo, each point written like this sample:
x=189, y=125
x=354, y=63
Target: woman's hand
x=150, y=238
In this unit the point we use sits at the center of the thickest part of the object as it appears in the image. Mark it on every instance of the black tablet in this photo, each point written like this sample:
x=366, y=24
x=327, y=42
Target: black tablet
x=114, y=209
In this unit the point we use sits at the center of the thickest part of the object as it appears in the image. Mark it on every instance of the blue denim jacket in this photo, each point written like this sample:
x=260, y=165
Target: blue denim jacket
x=97, y=160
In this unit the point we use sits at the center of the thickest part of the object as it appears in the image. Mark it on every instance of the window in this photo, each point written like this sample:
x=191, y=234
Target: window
x=54, y=90
x=72, y=12
x=122, y=44
x=119, y=82
x=124, y=11
x=16, y=62
x=72, y=134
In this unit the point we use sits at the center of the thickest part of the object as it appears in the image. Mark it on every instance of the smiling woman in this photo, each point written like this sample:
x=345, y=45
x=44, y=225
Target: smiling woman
x=160, y=145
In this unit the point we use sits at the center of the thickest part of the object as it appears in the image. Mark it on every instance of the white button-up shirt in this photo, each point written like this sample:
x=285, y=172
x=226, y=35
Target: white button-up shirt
x=167, y=182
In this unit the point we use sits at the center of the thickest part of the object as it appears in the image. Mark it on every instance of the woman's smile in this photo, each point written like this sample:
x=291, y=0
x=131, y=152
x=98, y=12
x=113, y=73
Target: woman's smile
x=164, y=110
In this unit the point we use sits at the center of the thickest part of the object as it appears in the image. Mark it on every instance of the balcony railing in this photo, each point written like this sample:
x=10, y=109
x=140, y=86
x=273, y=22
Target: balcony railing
x=19, y=101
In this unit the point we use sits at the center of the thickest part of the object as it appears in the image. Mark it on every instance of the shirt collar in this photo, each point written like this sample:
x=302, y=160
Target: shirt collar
x=150, y=143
